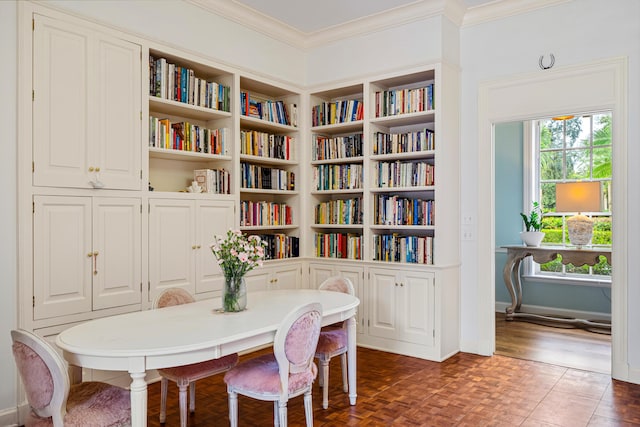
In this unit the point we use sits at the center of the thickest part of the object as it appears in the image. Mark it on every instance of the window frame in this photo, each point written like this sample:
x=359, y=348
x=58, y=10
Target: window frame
x=532, y=192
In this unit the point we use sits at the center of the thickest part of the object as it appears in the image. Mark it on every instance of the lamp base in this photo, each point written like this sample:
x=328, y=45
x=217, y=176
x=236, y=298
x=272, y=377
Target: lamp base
x=580, y=230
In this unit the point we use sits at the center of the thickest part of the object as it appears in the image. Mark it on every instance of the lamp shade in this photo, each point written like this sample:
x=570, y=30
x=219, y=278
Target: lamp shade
x=578, y=197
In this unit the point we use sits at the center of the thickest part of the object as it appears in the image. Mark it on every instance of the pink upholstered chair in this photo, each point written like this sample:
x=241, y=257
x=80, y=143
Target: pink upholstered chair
x=53, y=401
x=186, y=376
x=333, y=340
x=287, y=373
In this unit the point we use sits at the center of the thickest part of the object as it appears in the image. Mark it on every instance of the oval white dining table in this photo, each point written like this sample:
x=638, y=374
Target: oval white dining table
x=190, y=333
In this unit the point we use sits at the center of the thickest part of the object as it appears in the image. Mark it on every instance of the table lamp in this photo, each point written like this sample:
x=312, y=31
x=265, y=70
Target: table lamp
x=578, y=197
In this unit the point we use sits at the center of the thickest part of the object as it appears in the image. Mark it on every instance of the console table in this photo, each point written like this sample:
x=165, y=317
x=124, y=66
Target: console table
x=544, y=254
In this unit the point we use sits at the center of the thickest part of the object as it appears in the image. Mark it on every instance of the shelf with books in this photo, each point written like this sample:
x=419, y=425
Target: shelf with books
x=402, y=159
x=338, y=107
x=190, y=123
x=261, y=102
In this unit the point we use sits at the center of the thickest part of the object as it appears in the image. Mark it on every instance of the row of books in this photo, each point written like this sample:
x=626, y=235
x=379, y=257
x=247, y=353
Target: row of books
x=408, y=142
x=185, y=136
x=264, y=213
x=338, y=147
x=347, y=211
x=337, y=177
x=256, y=176
x=216, y=181
x=342, y=111
x=176, y=83
x=403, y=101
x=394, y=210
x=404, y=174
x=338, y=245
x=409, y=249
x=280, y=246
x=255, y=143
x=271, y=111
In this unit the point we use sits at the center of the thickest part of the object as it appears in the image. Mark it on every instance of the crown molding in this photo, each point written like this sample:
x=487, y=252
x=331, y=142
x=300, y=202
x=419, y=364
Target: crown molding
x=257, y=21
x=500, y=9
x=454, y=10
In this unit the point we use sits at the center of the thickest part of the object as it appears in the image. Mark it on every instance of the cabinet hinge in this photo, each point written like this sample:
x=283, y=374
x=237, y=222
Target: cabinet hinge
x=33, y=167
x=33, y=95
x=368, y=323
x=140, y=209
x=148, y=286
x=140, y=287
x=140, y=173
x=434, y=333
x=33, y=207
x=140, y=115
x=33, y=24
x=34, y=301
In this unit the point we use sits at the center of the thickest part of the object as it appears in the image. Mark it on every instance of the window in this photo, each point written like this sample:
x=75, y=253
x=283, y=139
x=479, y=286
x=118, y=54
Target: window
x=572, y=148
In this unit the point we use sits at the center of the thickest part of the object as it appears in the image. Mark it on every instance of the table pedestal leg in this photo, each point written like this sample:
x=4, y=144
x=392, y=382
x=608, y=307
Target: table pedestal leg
x=351, y=359
x=511, y=276
x=138, y=392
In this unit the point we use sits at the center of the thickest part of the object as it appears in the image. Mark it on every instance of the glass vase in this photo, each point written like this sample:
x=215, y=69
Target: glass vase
x=234, y=294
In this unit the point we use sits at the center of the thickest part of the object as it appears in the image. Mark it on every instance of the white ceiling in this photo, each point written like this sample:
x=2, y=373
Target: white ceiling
x=310, y=16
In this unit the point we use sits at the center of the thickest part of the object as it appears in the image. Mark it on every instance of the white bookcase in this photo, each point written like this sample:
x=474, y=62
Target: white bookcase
x=109, y=164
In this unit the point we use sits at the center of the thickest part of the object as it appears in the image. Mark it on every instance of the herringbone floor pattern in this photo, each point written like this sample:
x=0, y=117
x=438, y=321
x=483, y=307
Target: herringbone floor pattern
x=465, y=390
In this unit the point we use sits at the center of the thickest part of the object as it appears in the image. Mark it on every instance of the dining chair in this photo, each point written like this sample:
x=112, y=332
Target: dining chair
x=185, y=376
x=333, y=340
x=286, y=373
x=52, y=398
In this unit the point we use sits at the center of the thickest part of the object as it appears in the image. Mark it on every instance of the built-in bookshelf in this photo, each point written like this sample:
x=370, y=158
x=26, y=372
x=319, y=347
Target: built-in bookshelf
x=268, y=167
x=402, y=161
x=190, y=123
x=337, y=172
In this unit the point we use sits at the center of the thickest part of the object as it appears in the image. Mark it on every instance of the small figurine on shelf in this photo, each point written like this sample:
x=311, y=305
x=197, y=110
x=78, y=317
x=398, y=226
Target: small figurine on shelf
x=194, y=188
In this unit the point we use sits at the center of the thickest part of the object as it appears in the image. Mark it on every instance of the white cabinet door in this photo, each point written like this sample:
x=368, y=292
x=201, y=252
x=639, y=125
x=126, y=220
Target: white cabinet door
x=86, y=108
x=383, y=303
x=319, y=273
x=116, y=139
x=355, y=274
x=212, y=219
x=287, y=276
x=62, y=256
x=258, y=280
x=417, y=307
x=171, y=245
x=117, y=249
x=402, y=305
x=87, y=254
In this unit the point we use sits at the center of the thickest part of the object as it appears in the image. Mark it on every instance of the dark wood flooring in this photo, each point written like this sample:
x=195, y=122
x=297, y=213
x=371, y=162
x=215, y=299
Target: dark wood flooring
x=465, y=390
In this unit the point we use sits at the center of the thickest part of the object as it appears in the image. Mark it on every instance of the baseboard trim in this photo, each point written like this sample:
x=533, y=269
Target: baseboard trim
x=537, y=309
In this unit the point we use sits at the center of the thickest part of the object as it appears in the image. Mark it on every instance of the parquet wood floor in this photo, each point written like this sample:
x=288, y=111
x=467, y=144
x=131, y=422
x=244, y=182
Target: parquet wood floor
x=465, y=390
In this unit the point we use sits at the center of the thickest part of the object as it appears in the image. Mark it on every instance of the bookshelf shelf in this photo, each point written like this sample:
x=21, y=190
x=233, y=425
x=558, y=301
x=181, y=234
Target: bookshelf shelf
x=176, y=108
x=339, y=127
x=421, y=189
x=264, y=125
x=358, y=159
x=267, y=160
x=262, y=191
x=413, y=155
x=170, y=154
x=405, y=119
x=339, y=226
x=268, y=227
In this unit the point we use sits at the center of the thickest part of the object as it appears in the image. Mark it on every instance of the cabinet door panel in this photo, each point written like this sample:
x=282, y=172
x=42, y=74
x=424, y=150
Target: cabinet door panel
x=318, y=274
x=171, y=245
x=213, y=219
x=117, y=243
x=418, y=309
x=117, y=150
x=61, y=256
x=61, y=57
x=286, y=277
x=383, y=307
x=258, y=280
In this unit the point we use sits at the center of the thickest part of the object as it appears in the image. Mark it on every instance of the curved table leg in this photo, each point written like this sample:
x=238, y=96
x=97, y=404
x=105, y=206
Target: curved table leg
x=511, y=276
x=351, y=359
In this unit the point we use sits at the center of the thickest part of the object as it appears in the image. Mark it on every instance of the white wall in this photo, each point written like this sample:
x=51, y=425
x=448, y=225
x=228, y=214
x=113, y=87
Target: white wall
x=8, y=185
x=576, y=32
